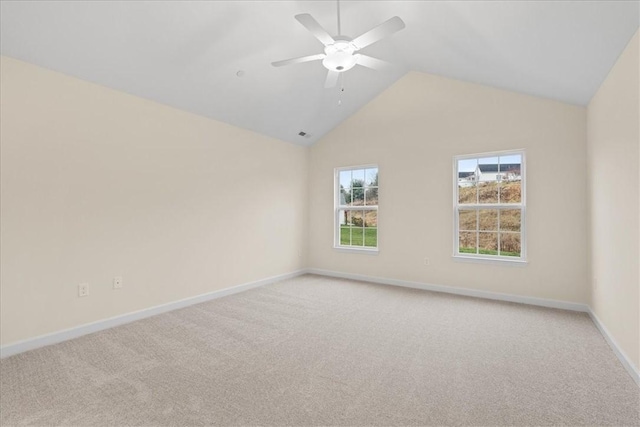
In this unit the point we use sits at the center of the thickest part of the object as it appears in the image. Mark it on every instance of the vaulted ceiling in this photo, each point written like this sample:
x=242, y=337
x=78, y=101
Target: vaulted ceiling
x=214, y=58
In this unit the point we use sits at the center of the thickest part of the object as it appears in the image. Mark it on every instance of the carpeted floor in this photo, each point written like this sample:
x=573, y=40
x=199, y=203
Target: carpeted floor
x=320, y=351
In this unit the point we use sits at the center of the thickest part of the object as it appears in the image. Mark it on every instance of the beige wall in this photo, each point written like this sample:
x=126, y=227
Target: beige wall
x=412, y=131
x=614, y=182
x=97, y=183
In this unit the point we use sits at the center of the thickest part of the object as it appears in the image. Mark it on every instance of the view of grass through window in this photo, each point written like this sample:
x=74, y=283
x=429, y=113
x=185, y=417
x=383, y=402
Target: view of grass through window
x=357, y=207
x=489, y=205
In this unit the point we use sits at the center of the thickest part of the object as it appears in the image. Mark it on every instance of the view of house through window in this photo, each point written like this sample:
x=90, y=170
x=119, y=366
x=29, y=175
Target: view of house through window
x=356, y=215
x=490, y=205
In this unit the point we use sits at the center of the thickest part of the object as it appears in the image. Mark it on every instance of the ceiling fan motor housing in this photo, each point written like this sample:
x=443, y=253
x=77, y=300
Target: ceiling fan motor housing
x=340, y=55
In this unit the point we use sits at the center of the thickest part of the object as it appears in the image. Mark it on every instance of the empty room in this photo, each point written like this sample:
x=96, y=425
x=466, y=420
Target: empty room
x=320, y=213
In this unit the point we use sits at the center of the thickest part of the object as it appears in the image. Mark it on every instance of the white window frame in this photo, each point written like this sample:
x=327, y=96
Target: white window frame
x=337, y=208
x=522, y=206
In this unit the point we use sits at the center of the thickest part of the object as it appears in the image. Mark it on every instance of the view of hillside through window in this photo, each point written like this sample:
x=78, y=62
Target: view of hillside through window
x=489, y=205
x=358, y=207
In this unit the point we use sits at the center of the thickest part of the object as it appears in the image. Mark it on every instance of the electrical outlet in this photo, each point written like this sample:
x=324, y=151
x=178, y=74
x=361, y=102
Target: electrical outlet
x=426, y=261
x=117, y=282
x=83, y=290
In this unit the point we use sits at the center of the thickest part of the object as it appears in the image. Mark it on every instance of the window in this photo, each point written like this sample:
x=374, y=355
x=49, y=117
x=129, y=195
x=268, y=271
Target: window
x=489, y=206
x=356, y=208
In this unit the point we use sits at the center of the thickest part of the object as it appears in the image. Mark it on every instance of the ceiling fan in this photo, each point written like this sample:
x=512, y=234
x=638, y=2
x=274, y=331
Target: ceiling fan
x=340, y=52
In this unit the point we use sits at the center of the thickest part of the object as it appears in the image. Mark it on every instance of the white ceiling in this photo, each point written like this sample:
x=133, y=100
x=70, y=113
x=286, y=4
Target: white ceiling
x=187, y=54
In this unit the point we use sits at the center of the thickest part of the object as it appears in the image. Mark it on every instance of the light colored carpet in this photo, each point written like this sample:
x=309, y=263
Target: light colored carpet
x=320, y=351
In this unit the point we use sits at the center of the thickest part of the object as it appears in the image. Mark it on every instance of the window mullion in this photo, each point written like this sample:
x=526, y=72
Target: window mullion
x=505, y=171
x=354, y=184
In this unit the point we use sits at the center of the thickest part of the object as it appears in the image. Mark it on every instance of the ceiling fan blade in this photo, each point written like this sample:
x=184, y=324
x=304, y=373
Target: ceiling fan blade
x=371, y=62
x=312, y=25
x=383, y=30
x=332, y=79
x=298, y=60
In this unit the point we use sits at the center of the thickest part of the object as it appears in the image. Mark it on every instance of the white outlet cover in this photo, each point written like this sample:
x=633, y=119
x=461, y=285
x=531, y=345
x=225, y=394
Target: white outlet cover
x=117, y=282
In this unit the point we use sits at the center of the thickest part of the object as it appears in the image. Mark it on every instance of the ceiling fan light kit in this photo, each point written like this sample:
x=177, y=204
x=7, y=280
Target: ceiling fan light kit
x=340, y=51
x=340, y=56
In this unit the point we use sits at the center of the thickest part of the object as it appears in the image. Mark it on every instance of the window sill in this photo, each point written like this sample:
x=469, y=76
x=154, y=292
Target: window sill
x=356, y=250
x=487, y=260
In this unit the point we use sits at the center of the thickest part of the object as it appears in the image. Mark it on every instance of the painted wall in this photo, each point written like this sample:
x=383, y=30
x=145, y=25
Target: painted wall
x=96, y=183
x=412, y=131
x=613, y=123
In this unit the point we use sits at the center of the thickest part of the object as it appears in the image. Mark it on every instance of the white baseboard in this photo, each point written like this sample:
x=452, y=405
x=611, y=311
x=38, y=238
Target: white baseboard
x=89, y=328
x=626, y=362
x=68, y=334
x=542, y=302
